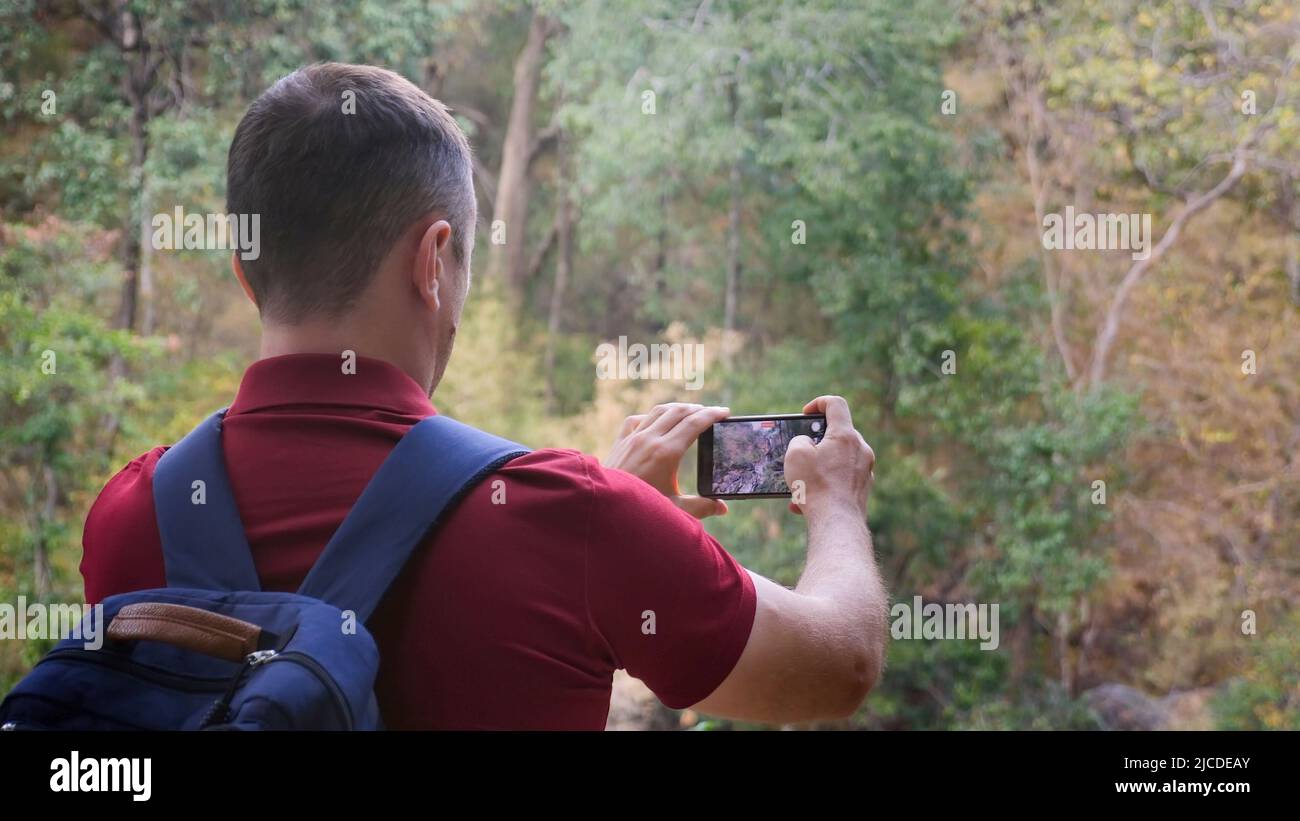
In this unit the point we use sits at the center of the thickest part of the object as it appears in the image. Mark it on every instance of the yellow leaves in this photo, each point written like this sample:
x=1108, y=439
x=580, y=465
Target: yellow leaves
x=1270, y=716
x=1206, y=435
x=1214, y=436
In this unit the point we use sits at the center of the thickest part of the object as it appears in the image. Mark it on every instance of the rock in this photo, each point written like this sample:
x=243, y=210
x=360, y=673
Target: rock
x=633, y=707
x=1121, y=707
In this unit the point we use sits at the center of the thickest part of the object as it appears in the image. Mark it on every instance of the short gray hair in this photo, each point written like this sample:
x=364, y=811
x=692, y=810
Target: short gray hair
x=334, y=187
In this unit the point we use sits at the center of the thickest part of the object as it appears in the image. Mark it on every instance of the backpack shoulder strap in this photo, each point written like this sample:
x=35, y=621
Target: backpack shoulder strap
x=434, y=464
x=203, y=539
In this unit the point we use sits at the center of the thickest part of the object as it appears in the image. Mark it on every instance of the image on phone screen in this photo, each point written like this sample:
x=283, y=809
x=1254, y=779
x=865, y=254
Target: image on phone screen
x=746, y=455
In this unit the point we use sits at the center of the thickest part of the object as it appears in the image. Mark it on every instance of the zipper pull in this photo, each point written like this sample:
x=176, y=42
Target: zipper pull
x=259, y=657
x=219, y=712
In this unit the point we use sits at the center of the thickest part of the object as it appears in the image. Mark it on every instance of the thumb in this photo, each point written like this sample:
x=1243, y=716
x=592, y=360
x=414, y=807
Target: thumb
x=701, y=507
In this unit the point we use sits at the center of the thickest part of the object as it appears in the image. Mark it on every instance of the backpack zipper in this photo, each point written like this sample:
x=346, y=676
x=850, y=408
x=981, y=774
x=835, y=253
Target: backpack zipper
x=197, y=684
x=316, y=669
x=193, y=684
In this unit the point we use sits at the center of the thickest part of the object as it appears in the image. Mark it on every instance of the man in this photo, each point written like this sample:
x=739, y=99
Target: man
x=511, y=615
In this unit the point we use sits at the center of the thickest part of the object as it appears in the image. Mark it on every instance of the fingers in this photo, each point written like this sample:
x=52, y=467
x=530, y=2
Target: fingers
x=690, y=427
x=799, y=443
x=701, y=507
x=652, y=416
x=666, y=421
x=838, y=419
x=796, y=446
x=871, y=455
x=663, y=418
x=630, y=424
x=799, y=458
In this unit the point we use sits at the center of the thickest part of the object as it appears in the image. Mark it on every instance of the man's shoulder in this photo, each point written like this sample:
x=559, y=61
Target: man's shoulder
x=560, y=467
x=120, y=541
x=567, y=489
x=564, y=469
x=129, y=488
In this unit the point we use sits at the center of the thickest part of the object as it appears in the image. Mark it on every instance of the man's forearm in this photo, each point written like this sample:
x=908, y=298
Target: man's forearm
x=842, y=571
x=814, y=652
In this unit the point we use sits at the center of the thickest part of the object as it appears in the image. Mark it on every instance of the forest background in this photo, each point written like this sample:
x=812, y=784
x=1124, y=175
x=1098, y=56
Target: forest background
x=845, y=197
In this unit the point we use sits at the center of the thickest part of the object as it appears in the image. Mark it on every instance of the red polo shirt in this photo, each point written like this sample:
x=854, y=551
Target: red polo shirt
x=509, y=616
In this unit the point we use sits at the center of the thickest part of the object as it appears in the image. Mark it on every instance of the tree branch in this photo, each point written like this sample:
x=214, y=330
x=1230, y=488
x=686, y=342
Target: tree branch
x=539, y=256
x=1110, y=325
x=1240, y=156
x=486, y=179
x=543, y=141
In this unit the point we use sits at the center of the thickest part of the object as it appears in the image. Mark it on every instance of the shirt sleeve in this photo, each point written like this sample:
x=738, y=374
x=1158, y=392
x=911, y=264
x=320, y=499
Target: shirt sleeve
x=673, y=607
x=121, y=548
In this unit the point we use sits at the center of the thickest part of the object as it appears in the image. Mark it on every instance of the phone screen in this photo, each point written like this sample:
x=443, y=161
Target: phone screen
x=745, y=456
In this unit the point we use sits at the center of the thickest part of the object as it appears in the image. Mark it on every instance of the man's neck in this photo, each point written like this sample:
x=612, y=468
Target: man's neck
x=335, y=338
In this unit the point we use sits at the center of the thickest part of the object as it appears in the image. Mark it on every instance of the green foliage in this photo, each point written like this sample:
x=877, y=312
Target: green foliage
x=1267, y=694
x=817, y=117
x=955, y=685
x=495, y=376
x=985, y=478
x=55, y=387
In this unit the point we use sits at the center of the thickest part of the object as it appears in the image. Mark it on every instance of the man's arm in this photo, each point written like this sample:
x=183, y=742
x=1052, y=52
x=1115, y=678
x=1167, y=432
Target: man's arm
x=816, y=651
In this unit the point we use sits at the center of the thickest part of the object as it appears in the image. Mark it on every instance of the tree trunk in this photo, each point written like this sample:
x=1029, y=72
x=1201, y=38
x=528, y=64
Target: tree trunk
x=139, y=80
x=1063, y=651
x=41, y=556
x=1024, y=88
x=1022, y=647
x=733, y=241
x=661, y=252
x=563, y=269
x=1293, y=252
x=148, y=309
x=129, y=299
x=137, y=83
x=509, y=260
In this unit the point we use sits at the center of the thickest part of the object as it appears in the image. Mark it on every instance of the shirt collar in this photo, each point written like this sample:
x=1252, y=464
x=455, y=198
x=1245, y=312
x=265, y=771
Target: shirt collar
x=318, y=379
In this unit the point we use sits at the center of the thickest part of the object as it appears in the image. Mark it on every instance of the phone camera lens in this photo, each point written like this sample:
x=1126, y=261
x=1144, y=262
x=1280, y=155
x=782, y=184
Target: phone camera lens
x=816, y=427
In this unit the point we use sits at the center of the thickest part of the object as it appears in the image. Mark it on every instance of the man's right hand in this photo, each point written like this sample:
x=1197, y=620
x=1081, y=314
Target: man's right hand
x=836, y=472
x=814, y=652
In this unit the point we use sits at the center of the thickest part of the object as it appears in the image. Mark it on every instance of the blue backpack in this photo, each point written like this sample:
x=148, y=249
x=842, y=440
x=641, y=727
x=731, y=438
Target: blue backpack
x=211, y=651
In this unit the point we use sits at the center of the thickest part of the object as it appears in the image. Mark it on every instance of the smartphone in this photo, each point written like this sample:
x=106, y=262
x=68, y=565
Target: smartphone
x=744, y=457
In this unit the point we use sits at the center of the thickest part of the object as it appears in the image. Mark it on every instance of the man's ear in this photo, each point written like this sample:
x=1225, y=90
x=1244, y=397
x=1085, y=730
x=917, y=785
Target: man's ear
x=427, y=271
x=238, y=268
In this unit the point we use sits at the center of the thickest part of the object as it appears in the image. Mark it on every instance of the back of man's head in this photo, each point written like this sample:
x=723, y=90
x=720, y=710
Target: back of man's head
x=336, y=178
